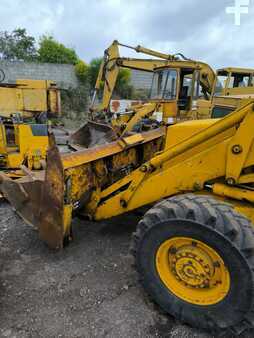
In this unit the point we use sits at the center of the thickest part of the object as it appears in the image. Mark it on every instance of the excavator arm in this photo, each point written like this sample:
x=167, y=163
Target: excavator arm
x=112, y=62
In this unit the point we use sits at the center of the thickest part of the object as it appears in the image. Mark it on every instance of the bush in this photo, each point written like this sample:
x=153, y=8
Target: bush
x=52, y=51
x=82, y=71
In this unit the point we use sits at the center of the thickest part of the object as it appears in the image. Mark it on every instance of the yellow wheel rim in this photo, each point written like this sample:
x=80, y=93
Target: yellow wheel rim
x=192, y=271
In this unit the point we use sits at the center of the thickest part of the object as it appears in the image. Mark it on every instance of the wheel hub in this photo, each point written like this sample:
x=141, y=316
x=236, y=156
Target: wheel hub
x=192, y=270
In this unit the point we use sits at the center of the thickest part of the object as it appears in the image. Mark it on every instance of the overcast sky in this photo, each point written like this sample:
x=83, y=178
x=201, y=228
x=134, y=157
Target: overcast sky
x=200, y=29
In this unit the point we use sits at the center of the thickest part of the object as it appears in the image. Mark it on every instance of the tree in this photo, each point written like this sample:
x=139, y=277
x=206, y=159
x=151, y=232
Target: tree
x=123, y=86
x=94, y=68
x=17, y=45
x=82, y=71
x=52, y=51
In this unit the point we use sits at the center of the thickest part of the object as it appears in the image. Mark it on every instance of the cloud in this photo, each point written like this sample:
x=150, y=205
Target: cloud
x=199, y=29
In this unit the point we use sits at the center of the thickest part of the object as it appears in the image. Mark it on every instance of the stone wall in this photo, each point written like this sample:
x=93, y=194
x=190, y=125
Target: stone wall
x=62, y=74
x=141, y=79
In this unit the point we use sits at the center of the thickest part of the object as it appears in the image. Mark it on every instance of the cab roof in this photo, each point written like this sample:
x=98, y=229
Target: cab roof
x=236, y=70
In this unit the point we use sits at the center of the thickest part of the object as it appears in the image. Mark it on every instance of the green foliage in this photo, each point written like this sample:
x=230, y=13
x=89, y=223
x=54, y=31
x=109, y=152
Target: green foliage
x=17, y=45
x=54, y=52
x=82, y=71
x=123, y=88
x=94, y=68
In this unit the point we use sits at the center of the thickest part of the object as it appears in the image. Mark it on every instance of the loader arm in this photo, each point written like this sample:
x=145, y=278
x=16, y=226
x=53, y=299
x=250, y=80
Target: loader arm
x=229, y=147
x=138, y=113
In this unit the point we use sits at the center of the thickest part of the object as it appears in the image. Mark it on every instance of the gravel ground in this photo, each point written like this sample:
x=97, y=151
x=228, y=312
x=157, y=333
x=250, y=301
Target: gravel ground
x=87, y=290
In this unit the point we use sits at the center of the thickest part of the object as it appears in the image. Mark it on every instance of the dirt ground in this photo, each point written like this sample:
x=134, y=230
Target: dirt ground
x=87, y=290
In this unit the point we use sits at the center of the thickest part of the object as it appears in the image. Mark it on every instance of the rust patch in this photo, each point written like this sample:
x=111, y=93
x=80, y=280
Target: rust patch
x=24, y=195
x=51, y=215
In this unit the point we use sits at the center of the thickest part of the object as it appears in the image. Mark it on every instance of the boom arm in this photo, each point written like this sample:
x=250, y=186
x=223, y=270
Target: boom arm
x=112, y=62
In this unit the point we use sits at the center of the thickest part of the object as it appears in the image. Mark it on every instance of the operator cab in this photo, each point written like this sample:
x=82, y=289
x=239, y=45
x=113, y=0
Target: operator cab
x=234, y=81
x=178, y=88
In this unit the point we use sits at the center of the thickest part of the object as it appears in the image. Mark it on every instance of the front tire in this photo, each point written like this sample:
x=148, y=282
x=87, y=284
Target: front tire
x=195, y=258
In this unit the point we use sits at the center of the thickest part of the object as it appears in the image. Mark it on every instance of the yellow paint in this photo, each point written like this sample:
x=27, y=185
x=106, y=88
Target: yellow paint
x=29, y=97
x=27, y=148
x=181, y=167
x=230, y=89
x=67, y=216
x=172, y=113
x=192, y=156
x=193, y=271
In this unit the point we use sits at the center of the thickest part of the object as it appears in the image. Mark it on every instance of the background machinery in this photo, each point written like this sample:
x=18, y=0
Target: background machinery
x=233, y=88
x=234, y=81
x=177, y=85
x=24, y=110
x=199, y=92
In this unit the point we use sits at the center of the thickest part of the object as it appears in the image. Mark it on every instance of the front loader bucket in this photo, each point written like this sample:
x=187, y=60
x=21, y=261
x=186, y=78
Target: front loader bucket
x=39, y=200
x=92, y=134
x=24, y=195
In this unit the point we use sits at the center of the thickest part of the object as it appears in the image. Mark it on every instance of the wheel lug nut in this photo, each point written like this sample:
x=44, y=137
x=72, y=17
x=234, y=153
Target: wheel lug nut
x=216, y=264
x=173, y=250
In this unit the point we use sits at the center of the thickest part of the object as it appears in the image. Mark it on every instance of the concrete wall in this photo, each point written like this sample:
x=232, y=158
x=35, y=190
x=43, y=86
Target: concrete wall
x=141, y=79
x=62, y=74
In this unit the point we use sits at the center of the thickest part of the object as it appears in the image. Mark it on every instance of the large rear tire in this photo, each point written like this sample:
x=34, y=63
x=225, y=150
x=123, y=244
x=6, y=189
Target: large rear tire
x=195, y=258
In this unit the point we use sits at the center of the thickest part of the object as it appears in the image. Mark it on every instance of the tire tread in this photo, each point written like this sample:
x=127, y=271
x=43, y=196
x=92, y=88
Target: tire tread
x=216, y=215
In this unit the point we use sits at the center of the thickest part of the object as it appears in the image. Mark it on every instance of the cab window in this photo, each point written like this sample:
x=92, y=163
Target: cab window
x=239, y=80
x=221, y=82
x=170, y=88
x=164, y=84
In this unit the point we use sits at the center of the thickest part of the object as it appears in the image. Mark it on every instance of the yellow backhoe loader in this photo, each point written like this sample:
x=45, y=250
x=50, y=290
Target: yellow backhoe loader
x=194, y=248
x=233, y=88
x=177, y=84
x=24, y=109
x=234, y=81
x=206, y=94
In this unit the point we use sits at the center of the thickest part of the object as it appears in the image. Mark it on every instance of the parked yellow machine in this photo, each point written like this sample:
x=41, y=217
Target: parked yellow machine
x=233, y=87
x=24, y=109
x=234, y=81
x=194, y=248
x=177, y=84
x=29, y=98
x=182, y=89
x=22, y=143
x=199, y=92
x=194, y=71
